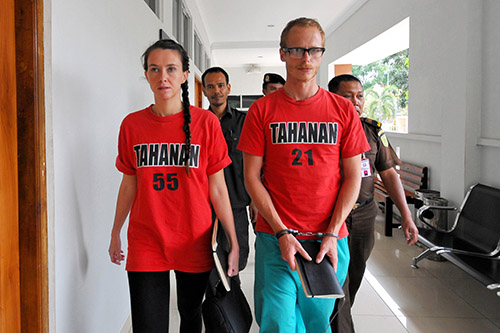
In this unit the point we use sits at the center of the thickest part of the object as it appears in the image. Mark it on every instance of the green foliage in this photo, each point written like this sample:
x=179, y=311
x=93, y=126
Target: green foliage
x=391, y=74
x=381, y=105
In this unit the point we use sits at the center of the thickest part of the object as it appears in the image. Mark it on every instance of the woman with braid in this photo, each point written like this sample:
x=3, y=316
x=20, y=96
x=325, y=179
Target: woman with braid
x=172, y=156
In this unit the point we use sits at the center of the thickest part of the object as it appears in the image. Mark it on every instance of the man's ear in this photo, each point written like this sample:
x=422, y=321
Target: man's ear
x=228, y=88
x=282, y=55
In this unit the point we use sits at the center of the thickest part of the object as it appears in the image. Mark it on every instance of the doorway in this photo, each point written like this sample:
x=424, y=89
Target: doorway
x=198, y=92
x=24, y=263
x=10, y=301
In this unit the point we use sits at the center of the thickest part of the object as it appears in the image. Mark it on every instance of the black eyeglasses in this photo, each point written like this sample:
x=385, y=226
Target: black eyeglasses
x=298, y=52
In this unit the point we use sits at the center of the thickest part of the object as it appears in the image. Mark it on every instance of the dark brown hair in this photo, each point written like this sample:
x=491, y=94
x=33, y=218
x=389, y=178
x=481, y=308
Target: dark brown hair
x=214, y=70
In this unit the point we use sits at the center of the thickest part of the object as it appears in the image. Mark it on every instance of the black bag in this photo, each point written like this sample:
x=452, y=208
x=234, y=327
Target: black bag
x=226, y=311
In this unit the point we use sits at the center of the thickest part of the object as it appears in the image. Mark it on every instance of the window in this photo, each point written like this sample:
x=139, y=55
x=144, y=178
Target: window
x=183, y=32
x=203, y=59
x=242, y=102
x=247, y=100
x=176, y=13
x=386, y=90
x=382, y=65
x=163, y=35
x=207, y=60
x=182, y=25
x=186, y=28
x=234, y=101
x=198, y=52
x=154, y=5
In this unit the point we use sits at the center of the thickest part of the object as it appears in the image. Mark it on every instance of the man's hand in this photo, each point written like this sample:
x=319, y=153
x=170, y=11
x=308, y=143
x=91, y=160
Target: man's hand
x=328, y=248
x=289, y=245
x=232, y=261
x=253, y=212
x=410, y=230
x=395, y=190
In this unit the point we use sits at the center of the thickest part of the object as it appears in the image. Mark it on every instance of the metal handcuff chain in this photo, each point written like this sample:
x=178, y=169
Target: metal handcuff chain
x=296, y=233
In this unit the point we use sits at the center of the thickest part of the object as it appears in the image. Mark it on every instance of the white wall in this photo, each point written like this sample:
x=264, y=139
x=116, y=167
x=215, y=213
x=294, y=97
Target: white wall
x=490, y=117
x=454, y=79
x=94, y=79
x=243, y=83
x=373, y=18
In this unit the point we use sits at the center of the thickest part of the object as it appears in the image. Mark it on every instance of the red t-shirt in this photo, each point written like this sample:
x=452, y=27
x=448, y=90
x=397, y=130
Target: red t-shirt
x=170, y=220
x=302, y=143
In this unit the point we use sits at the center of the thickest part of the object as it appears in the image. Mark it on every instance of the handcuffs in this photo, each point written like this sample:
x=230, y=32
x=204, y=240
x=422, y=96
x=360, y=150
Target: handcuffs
x=296, y=233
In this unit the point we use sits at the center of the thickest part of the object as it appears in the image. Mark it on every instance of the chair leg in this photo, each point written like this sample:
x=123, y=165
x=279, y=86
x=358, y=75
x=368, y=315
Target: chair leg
x=388, y=217
x=423, y=255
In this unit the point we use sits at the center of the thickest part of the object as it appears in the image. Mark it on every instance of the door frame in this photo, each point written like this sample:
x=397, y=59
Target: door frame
x=10, y=299
x=198, y=92
x=33, y=247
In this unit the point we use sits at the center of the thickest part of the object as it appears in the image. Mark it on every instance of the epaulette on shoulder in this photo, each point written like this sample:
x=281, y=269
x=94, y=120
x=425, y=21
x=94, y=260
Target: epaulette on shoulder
x=371, y=122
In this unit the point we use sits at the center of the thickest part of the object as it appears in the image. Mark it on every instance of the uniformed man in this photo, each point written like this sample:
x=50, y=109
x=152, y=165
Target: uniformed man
x=216, y=88
x=360, y=223
x=272, y=82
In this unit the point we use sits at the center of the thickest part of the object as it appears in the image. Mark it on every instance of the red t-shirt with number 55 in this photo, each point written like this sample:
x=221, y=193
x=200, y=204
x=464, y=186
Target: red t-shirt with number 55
x=302, y=143
x=170, y=220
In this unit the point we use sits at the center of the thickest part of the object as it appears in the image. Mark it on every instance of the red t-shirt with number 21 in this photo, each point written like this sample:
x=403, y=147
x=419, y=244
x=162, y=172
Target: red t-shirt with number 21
x=302, y=143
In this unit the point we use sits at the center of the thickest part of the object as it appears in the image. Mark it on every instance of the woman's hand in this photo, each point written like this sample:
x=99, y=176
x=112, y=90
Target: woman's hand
x=115, y=252
x=126, y=196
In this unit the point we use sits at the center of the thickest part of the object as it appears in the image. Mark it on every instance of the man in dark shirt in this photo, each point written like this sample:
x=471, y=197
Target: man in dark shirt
x=216, y=88
x=361, y=221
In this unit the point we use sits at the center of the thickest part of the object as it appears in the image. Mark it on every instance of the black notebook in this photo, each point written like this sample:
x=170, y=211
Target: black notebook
x=220, y=258
x=318, y=280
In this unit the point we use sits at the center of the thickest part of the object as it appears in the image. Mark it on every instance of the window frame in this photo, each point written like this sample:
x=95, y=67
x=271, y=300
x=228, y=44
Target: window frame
x=156, y=8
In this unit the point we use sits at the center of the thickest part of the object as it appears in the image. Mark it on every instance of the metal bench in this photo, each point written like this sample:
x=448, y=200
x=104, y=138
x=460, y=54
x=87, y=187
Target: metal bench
x=473, y=241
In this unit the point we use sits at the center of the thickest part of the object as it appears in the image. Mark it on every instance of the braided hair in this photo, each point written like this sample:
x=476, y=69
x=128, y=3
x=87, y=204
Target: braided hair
x=168, y=44
x=187, y=123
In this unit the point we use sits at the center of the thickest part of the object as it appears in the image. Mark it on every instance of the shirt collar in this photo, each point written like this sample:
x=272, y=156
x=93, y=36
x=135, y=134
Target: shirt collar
x=229, y=111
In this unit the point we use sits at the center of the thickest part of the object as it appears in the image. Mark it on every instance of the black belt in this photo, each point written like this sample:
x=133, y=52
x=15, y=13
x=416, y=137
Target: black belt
x=361, y=204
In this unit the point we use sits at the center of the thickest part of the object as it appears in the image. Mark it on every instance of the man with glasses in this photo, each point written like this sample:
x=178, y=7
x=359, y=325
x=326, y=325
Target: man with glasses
x=293, y=143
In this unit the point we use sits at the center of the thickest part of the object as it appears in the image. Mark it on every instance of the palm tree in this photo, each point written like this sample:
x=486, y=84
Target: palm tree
x=381, y=106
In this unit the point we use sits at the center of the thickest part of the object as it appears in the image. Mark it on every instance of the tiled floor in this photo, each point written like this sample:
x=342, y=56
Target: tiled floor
x=393, y=297
x=437, y=297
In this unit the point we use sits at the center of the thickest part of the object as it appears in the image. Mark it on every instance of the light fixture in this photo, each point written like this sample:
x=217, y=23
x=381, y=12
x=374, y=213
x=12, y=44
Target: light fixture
x=253, y=68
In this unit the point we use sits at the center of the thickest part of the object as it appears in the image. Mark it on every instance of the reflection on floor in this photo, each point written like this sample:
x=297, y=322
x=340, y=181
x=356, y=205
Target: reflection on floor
x=395, y=298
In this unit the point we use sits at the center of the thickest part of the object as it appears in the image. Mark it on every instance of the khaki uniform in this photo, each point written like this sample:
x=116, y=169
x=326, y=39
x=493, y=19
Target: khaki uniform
x=361, y=221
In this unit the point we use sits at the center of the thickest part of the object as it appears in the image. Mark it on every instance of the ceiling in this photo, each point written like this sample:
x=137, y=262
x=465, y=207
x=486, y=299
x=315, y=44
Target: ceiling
x=243, y=33
x=391, y=41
